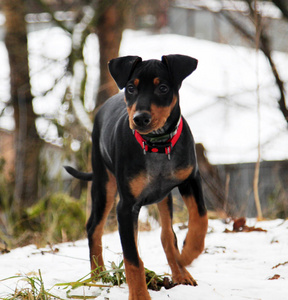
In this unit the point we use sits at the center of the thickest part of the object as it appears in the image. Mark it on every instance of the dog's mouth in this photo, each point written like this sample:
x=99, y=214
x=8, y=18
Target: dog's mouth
x=151, y=130
x=142, y=130
x=152, y=127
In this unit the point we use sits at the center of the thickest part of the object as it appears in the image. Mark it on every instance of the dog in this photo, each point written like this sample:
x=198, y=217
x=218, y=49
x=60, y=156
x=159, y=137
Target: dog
x=142, y=149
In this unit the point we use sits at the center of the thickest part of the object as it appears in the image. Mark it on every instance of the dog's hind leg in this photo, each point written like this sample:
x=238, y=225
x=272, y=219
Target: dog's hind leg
x=104, y=189
x=191, y=191
x=169, y=241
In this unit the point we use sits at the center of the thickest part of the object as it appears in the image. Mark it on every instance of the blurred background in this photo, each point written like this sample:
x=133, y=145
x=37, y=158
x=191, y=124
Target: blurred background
x=54, y=77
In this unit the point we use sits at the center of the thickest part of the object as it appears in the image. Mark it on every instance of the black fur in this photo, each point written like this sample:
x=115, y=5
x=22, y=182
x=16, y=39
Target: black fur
x=149, y=85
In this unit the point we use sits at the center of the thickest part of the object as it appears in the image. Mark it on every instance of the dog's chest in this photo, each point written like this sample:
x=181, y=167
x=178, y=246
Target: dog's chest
x=159, y=166
x=158, y=178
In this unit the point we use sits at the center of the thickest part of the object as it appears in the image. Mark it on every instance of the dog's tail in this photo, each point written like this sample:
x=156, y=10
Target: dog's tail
x=79, y=175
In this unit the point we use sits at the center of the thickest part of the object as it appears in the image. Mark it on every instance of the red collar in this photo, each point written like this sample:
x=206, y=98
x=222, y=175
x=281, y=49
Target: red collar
x=160, y=147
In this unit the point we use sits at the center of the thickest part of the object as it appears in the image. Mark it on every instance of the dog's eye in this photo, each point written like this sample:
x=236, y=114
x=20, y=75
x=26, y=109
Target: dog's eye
x=130, y=89
x=163, y=88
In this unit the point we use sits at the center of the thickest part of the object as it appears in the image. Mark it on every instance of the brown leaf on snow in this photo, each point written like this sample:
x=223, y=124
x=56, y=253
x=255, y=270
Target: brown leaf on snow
x=239, y=225
x=275, y=277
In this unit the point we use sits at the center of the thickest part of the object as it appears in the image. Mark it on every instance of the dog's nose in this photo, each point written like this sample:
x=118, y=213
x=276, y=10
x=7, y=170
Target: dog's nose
x=142, y=119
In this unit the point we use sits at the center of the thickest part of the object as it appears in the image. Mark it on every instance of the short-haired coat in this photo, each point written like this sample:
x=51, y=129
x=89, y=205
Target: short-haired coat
x=142, y=149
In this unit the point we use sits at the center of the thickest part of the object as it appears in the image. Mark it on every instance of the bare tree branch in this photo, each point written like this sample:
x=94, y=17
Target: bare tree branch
x=264, y=46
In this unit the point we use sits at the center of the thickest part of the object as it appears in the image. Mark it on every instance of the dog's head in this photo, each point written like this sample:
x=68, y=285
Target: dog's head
x=151, y=87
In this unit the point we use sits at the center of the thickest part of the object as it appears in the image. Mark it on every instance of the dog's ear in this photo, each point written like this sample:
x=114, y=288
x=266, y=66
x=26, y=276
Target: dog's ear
x=179, y=67
x=121, y=69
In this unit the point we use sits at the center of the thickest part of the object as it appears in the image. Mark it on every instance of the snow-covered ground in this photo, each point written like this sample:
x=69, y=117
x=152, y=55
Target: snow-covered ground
x=233, y=265
x=219, y=99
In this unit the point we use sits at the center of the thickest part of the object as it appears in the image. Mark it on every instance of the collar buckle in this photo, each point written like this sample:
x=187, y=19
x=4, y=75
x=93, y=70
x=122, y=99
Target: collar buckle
x=168, y=151
x=144, y=145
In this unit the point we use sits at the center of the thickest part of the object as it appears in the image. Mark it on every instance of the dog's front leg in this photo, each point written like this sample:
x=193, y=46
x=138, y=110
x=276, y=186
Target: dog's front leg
x=191, y=191
x=134, y=268
x=169, y=241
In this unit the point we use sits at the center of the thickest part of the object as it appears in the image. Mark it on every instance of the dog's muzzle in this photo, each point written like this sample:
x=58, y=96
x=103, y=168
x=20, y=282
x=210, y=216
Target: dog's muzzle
x=142, y=119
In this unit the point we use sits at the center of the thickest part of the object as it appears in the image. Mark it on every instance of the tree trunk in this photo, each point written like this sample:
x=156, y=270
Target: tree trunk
x=110, y=25
x=27, y=141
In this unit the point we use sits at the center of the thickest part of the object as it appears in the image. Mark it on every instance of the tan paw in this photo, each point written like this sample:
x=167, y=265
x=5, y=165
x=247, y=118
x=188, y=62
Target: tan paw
x=184, y=278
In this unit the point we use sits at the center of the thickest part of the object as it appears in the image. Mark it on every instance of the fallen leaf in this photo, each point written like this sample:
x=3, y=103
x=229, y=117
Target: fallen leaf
x=239, y=226
x=275, y=277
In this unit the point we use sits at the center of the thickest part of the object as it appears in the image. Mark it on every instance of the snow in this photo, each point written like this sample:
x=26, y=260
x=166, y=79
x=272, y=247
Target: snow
x=219, y=99
x=233, y=265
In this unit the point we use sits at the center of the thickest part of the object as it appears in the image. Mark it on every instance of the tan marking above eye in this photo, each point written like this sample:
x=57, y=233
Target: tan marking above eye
x=156, y=81
x=136, y=82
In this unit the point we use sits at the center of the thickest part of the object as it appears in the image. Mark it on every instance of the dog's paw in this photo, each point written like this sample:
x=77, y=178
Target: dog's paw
x=184, y=278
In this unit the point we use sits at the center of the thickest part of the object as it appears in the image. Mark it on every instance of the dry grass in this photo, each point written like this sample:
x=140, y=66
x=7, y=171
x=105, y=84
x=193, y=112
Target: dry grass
x=31, y=286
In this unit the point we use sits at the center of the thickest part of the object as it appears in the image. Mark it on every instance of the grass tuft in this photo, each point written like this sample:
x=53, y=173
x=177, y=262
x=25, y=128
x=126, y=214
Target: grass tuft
x=34, y=289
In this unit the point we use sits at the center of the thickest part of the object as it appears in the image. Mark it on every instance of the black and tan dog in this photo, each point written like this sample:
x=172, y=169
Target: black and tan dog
x=143, y=148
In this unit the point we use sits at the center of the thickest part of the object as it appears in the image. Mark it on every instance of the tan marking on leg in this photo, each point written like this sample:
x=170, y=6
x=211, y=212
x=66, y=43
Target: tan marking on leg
x=179, y=273
x=96, y=258
x=136, y=281
x=197, y=229
x=138, y=184
x=183, y=174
